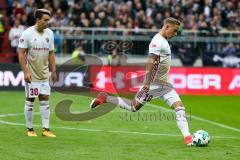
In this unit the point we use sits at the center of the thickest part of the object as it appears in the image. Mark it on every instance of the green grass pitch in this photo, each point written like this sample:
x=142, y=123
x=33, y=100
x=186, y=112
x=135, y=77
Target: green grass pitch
x=120, y=135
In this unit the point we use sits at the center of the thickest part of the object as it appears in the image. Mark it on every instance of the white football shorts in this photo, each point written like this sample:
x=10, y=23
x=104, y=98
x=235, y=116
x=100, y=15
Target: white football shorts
x=33, y=89
x=168, y=96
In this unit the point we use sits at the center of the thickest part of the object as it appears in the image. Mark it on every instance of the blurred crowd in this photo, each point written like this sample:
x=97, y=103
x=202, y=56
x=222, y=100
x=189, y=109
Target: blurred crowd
x=202, y=15
x=196, y=14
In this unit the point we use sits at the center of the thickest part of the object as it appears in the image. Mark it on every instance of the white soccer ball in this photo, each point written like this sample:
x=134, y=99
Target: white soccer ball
x=201, y=138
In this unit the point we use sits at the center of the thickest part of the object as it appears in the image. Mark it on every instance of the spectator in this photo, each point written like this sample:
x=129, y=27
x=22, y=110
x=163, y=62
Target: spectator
x=14, y=34
x=209, y=15
x=196, y=13
x=18, y=9
x=57, y=39
x=92, y=19
x=116, y=59
x=202, y=24
x=2, y=30
x=79, y=55
x=158, y=20
x=229, y=49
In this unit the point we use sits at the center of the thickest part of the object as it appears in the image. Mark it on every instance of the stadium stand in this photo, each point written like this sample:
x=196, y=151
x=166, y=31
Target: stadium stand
x=209, y=17
x=196, y=14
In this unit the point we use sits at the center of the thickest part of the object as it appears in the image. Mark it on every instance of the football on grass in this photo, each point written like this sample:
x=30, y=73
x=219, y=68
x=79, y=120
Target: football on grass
x=201, y=138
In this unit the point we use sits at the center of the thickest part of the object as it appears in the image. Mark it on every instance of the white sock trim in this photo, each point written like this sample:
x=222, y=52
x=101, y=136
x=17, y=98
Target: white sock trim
x=179, y=108
x=28, y=103
x=44, y=103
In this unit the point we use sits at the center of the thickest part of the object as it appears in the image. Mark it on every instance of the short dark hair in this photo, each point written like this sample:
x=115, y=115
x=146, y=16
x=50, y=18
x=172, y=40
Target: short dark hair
x=40, y=12
x=171, y=20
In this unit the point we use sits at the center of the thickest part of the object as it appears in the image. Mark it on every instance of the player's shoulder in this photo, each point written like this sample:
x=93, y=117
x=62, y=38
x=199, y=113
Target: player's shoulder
x=158, y=37
x=22, y=27
x=157, y=40
x=49, y=31
x=29, y=30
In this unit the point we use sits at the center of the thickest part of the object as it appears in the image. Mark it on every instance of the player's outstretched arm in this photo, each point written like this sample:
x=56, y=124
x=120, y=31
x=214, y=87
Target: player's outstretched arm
x=149, y=68
x=23, y=63
x=52, y=65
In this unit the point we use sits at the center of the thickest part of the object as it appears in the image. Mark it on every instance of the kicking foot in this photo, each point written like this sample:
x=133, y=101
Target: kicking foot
x=188, y=140
x=100, y=99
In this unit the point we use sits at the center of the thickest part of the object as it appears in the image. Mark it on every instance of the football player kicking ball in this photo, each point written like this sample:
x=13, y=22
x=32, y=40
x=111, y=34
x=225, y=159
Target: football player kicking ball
x=158, y=65
x=36, y=55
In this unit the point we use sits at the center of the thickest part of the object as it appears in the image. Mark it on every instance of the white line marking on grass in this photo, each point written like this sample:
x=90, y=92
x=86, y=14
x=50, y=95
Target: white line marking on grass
x=16, y=114
x=109, y=131
x=198, y=118
x=13, y=123
x=11, y=115
x=146, y=133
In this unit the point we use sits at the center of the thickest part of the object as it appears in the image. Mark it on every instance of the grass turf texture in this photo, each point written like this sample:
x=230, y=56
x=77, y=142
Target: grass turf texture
x=116, y=136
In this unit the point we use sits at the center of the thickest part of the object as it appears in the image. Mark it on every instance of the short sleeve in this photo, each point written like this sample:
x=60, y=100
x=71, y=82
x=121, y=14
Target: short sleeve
x=23, y=41
x=154, y=48
x=51, y=47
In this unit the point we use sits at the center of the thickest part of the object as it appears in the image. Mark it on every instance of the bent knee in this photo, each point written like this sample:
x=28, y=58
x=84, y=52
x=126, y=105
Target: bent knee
x=177, y=104
x=136, y=106
x=134, y=109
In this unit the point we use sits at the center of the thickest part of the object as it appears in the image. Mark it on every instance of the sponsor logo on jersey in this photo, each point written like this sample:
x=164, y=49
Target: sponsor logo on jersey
x=40, y=49
x=154, y=46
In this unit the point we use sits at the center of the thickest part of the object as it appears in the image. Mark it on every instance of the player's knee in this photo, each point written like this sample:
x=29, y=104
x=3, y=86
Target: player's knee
x=136, y=106
x=134, y=109
x=177, y=104
x=30, y=99
x=43, y=97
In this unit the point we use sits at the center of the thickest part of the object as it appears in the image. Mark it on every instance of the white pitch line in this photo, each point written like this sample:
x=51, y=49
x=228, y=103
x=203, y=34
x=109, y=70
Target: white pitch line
x=11, y=115
x=12, y=123
x=115, y=131
x=16, y=114
x=158, y=107
x=198, y=118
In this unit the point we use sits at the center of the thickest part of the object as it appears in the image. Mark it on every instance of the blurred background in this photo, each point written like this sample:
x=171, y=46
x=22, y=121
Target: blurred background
x=119, y=31
x=102, y=45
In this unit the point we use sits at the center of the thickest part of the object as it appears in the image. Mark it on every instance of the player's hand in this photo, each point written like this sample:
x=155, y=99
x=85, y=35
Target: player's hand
x=53, y=77
x=27, y=77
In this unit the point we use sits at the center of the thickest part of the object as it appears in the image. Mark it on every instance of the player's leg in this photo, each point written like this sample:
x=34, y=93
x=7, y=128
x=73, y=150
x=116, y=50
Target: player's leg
x=134, y=105
x=124, y=103
x=29, y=107
x=181, y=118
x=173, y=100
x=130, y=105
x=28, y=111
x=45, y=108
